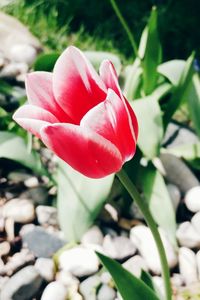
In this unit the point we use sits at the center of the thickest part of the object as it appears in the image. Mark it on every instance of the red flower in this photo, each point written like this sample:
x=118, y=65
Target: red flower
x=80, y=115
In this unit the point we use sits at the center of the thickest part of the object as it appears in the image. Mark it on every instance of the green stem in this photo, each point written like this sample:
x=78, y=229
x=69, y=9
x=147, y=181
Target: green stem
x=125, y=26
x=125, y=180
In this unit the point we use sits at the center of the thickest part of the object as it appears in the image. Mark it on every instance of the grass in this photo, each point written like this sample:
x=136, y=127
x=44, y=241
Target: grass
x=42, y=19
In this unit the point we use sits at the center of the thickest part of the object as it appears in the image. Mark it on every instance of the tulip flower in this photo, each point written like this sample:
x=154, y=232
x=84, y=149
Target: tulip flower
x=82, y=116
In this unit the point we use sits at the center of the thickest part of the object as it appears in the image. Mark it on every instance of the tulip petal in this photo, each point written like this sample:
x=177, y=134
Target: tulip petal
x=109, y=76
x=33, y=118
x=40, y=93
x=76, y=85
x=110, y=119
x=84, y=150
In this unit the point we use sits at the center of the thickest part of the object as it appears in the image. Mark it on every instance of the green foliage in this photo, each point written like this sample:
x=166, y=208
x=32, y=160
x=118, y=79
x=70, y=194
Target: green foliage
x=129, y=286
x=160, y=204
x=14, y=147
x=80, y=200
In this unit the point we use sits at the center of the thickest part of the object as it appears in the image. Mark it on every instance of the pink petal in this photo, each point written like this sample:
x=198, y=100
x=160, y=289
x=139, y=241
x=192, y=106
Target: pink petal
x=110, y=119
x=33, y=118
x=76, y=85
x=82, y=149
x=109, y=76
x=40, y=93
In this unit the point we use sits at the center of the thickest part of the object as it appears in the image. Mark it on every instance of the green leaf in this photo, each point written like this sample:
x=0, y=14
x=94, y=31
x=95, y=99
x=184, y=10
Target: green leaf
x=194, y=102
x=80, y=200
x=180, y=90
x=150, y=52
x=150, y=125
x=129, y=286
x=186, y=151
x=133, y=80
x=146, y=277
x=14, y=147
x=96, y=57
x=172, y=70
x=160, y=204
x=46, y=62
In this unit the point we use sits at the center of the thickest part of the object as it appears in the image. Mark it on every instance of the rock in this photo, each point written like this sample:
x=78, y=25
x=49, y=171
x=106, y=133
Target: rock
x=106, y=293
x=14, y=69
x=23, y=285
x=175, y=195
x=177, y=280
x=31, y=182
x=79, y=261
x=17, y=261
x=159, y=286
x=38, y=195
x=190, y=292
x=76, y=296
x=187, y=235
x=4, y=248
x=192, y=199
x=47, y=215
x=196, y=222
x=69, y=281
x=198, y=263
x=135, y=265
x=188, y=265
x=106, y=278
x=143, y=239
x=21, y=211
x=23, y=53
x=54, y=290
x=14, y=34
x=46, y=268
x=17, y=177
x=89, y=286
x=181, y=135
x=178, y=173
x=41, y=242
x=93, y=236
x=118, y=247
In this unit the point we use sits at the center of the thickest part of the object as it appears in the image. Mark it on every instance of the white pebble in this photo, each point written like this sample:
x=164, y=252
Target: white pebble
x=192, y=199
x=143, y=239
x=23, y=53
x=187, y=235
x=20, y=210
x=45, y=267
x=188, y=265
x=54, y=290
x=79, y=261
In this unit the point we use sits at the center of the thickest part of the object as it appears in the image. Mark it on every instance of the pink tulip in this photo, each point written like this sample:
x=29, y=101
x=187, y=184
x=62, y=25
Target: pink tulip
x=80, y=115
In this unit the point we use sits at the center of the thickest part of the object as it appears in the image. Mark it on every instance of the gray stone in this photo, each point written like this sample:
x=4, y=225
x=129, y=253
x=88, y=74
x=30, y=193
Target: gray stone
x=188, y=265
x=106, y=293
x=38, y=195
x=54, y=290
x=46, y=268
x=118, y=247
x=143, y=239
x=41, y=242
x=93, y=236
x=135, y=265
x=23, y=285
x=79, y=261
x=20, y=210
x=89, y=286
x=178, y=173
x=192, y=199
x=187, y=235
x=47, y=215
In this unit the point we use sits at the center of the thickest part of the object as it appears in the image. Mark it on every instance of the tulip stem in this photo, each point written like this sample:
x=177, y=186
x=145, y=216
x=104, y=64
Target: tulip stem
x=125, y=180
x=125, y=26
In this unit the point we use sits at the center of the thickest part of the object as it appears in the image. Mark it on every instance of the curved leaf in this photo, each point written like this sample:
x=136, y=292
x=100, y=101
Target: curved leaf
x=129, y=286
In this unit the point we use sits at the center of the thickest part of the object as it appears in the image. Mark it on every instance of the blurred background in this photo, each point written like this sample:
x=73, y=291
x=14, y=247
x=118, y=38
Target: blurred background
x=94, y=25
